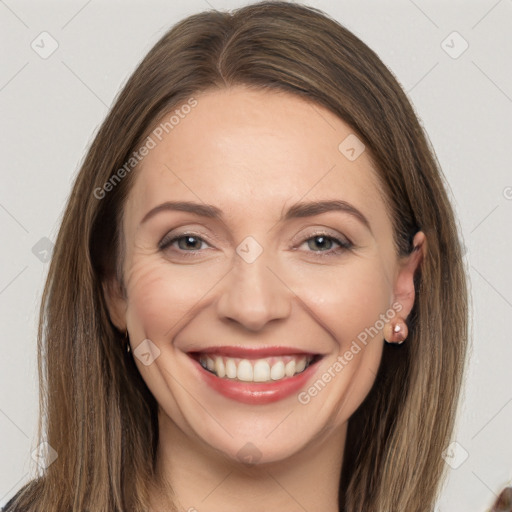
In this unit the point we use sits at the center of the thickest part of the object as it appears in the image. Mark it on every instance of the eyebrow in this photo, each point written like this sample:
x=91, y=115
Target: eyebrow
x=298, y=210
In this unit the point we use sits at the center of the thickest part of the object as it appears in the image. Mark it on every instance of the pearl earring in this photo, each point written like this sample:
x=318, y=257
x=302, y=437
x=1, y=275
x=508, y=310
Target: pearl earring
x=396, y=331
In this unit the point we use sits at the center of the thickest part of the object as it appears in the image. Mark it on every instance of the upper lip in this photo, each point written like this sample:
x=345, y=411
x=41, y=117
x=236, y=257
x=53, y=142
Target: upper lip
x=251, y=352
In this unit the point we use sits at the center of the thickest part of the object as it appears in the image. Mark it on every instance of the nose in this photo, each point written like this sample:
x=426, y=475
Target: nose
x=253, y=295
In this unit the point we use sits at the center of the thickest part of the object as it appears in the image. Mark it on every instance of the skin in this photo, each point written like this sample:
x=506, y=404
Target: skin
x=253, y=154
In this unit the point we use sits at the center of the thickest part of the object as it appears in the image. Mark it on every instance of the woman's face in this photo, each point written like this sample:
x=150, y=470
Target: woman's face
x=278, y=249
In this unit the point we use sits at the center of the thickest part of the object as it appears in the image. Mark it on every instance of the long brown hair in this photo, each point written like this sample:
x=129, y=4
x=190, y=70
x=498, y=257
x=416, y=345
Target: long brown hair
x=96, y=411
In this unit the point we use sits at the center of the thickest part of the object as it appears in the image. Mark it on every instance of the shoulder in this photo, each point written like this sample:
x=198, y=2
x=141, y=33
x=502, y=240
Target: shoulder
x=25, y=492
x=11, y=507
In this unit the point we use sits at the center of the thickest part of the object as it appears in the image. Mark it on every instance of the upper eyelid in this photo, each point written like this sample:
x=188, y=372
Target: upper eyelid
x=316, y=230
x=323, y=232
x=178, y=233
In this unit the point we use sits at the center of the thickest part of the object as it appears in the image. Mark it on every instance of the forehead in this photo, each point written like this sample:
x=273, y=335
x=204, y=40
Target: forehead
x=254, y=152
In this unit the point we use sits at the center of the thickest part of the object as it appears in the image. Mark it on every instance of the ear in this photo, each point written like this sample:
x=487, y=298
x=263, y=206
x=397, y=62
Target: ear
x=116, y=302
x=404, y=290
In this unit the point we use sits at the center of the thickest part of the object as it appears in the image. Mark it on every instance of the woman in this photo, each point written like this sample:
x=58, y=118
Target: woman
x=257, y=299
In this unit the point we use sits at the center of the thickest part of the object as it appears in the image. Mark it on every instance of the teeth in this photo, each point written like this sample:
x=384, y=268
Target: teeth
x=245, y=372
x=261, y=370
x=290, y=369
x=231, y=369
x=300, y=365
x=219, y=367
x=277, y=371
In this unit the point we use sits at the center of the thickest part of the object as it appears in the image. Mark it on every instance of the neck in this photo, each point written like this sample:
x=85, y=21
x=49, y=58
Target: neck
x=204, y=480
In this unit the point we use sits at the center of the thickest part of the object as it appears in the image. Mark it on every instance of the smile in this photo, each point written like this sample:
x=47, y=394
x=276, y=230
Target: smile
x=255, y=376
x=259, y=370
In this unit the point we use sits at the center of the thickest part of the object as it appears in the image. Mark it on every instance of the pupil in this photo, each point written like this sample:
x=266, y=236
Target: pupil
x=322, y=241
x=190, y=242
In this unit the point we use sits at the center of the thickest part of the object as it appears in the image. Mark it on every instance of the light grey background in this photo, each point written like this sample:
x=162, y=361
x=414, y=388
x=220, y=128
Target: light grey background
x=50, y=109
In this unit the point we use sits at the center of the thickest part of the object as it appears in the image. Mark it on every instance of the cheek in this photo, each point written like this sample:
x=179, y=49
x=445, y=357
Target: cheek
x=348, y=304
x=162, y=296
x=346, y=300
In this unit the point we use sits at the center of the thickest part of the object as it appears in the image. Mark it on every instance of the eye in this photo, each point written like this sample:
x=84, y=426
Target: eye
x=318, y=243
x=324, y=243
x=186, y=242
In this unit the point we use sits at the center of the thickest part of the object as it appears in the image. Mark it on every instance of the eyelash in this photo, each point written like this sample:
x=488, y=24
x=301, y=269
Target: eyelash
x=344, y=245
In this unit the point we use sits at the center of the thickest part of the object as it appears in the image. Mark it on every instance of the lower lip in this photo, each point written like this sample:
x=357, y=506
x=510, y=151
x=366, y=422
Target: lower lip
x=257, y=393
